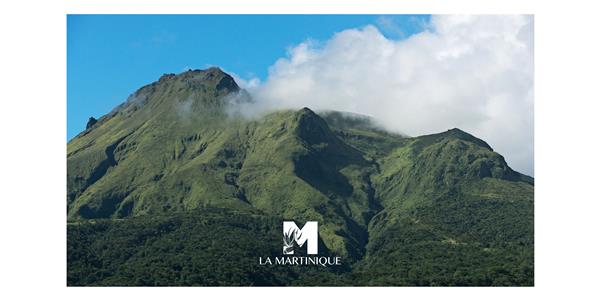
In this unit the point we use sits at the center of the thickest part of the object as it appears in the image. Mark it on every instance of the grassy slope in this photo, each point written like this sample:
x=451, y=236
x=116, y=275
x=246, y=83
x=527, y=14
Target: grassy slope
x=441, y=209
x=453, y=213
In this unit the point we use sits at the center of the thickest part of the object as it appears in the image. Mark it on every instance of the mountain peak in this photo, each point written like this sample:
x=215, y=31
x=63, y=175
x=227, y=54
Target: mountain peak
x=306, y=115
x=462, y=135
x=311, y=127
x=211, y=70
x=305, y=111
x=195, y=77
x=467, y=136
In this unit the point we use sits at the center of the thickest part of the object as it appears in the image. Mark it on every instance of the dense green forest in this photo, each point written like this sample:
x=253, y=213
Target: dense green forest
x=221, y=247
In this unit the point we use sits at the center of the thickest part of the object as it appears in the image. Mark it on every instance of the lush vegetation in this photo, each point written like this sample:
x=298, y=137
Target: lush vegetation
x=204, y=247
x=172, y=188
x=221, y=247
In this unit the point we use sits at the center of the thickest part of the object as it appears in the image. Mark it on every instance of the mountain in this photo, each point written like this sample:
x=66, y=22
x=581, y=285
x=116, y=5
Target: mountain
x=171, y=189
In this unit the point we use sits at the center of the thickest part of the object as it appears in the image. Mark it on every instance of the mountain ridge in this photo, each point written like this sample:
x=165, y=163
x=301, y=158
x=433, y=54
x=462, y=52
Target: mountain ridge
x=172, y=149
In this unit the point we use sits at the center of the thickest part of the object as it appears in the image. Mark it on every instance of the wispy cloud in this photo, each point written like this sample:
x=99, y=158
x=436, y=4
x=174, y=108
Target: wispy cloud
x=389, y=26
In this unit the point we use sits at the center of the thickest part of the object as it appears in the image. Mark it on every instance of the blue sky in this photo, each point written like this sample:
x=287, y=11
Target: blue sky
x=110, y=56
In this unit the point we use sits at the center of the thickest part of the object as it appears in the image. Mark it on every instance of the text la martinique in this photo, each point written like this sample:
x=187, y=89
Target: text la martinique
x=300, y=260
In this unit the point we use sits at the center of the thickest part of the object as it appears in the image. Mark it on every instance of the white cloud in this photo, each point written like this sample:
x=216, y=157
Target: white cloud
x=470, y=72
x=248, y=84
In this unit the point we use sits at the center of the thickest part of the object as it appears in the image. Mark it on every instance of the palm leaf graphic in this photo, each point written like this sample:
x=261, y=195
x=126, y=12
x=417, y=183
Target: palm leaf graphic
x=288, y=241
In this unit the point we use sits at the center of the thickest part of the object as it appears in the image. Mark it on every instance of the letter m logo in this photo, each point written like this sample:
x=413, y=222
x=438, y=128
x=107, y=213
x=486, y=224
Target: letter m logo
x=308, y=234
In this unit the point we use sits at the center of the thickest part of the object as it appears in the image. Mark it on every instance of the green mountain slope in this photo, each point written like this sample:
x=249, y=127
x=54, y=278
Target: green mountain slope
x=442, y=209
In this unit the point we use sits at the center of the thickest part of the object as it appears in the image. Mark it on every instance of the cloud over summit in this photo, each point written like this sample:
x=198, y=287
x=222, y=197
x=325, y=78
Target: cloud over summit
x=470, y=72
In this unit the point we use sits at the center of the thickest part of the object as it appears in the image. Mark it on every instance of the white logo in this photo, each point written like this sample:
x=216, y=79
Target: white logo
x=292, y=235
x=308, y=234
